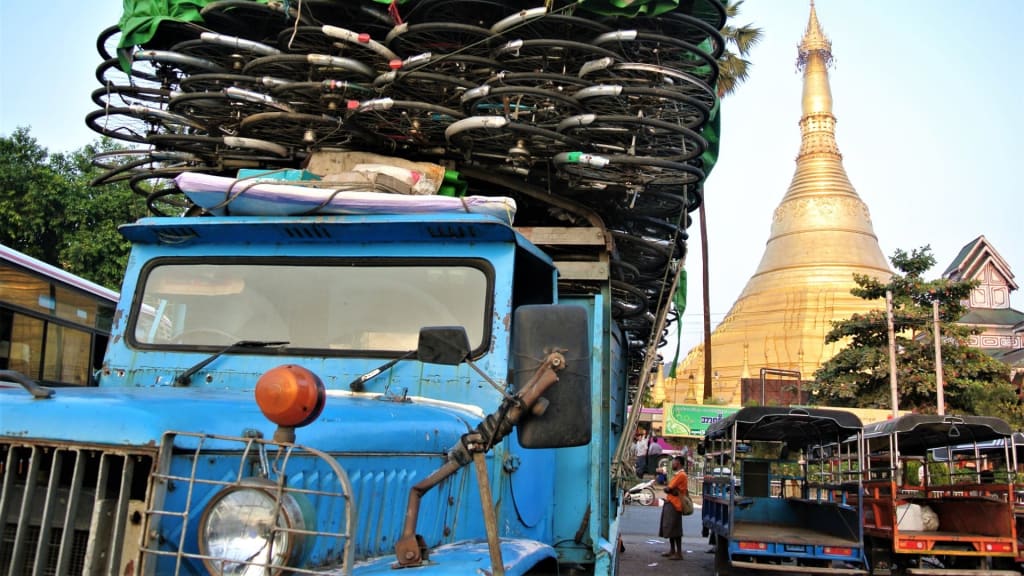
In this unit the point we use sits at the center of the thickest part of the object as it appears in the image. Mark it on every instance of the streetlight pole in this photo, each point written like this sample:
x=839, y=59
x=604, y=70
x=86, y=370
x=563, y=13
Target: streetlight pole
x=892, y=356
x=940, y=393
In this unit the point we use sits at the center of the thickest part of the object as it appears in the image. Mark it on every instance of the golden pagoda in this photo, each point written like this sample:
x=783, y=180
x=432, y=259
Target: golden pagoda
x=821, y=236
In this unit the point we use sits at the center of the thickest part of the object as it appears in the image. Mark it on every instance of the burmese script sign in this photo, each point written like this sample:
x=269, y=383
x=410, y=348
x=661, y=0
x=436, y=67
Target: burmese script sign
x=693, y=419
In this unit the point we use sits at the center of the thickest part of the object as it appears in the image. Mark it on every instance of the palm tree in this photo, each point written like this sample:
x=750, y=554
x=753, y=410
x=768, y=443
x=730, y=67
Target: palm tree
x=733, y=71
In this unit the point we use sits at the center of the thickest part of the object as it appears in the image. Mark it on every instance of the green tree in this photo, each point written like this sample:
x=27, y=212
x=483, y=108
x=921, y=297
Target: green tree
x=858, y=376
x=49, y=210
x=734, y=68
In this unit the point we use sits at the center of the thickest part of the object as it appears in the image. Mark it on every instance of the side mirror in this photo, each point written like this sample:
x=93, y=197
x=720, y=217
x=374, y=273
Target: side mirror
x=538, y=330
x=701, y=449
x=447, y=345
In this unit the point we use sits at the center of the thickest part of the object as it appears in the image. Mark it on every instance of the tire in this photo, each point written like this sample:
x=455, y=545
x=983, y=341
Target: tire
x=646, y=497
x=439, y=38
x=534, y=106
x=634, y=136
x=633, y=172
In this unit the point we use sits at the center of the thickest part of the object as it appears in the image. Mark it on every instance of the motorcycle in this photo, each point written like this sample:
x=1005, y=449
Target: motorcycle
x=642, y=493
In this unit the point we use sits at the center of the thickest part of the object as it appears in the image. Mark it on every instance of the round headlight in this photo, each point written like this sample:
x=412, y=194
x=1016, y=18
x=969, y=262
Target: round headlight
x=243, y=531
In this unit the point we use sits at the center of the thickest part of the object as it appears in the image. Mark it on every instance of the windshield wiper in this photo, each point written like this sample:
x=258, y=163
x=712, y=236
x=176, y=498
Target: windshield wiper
x=359, y=384
x=185, y=378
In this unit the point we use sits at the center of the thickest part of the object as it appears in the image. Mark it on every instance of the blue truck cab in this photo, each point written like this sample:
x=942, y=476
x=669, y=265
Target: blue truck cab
x=327, y=394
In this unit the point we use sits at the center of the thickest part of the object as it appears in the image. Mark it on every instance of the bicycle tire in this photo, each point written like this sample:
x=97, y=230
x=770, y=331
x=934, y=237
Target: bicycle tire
x=634, y=136
x=296, y=129
x=481, y=13
x=122, y=96
x=496, y=138
x=441, y=89
x=140, y=74
x=679, y=25
x=644, y=102
x=632, y=172
x=361, y=15
x=627, y=300
x=222, y=112
x=179, y=65
x=134, y=123
x=309, y=68
x=608, y=71
x=439, y=38
x=561, y=83
x=251, y=20
x=661, y=50
x=120, y=165
x=654, y=228
x=465, y=67
x=540, y=22
x=229, y=52
x=107, y=41
x=549, y=55
x=535, y=106
x=336, y=41
x=407, y=124
x=216, y=82
x=220, y=148
x=649, y=256
x=324, y=97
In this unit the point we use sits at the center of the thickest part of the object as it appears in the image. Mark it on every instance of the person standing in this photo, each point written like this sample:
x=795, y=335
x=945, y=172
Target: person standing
x=671, y=524
x=640, y=449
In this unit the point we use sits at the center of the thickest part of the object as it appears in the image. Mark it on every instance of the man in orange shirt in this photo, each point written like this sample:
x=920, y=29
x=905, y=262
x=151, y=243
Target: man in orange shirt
x=671, y=526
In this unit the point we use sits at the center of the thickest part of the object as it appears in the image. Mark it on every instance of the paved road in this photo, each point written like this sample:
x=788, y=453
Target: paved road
x=642, y=557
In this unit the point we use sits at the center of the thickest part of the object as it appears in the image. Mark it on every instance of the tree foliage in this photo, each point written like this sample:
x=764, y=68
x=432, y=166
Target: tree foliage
x=858, y=376
x=734, y=68
x=49, y=210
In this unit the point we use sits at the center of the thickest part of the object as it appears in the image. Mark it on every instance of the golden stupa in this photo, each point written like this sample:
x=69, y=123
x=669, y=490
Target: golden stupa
x=821, y=236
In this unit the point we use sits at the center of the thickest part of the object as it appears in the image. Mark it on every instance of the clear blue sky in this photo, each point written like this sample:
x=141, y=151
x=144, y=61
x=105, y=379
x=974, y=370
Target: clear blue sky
x=927, y=93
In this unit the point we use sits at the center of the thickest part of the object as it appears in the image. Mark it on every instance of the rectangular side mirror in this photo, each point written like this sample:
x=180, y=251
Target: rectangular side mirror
x=447, y=345
x=538, y=330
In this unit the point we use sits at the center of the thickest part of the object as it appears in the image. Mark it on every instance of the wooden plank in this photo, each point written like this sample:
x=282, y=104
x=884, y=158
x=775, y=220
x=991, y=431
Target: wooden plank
x=562, y=236
x=576, y=270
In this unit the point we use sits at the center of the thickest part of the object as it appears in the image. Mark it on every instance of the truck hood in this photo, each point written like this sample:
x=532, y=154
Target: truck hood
x=140, y=416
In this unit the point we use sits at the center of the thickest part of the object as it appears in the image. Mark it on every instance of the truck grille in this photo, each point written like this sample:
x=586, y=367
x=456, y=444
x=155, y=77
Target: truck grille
x=70, y=509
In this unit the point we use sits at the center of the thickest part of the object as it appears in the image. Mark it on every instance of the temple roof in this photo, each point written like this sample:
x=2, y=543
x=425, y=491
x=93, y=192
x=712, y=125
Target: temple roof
x=973, y=257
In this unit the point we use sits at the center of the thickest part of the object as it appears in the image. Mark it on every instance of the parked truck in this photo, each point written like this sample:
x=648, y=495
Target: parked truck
x=353, y=368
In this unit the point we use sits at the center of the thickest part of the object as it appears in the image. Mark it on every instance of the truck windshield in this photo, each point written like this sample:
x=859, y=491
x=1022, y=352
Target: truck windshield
x=332, y=305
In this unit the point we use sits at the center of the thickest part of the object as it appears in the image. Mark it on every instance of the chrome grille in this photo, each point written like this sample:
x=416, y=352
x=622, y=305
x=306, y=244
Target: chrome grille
x=195, y=467
x=69, y=509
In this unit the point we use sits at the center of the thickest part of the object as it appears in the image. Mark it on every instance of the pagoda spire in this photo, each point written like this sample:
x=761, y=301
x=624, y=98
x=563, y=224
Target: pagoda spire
x=821, y=236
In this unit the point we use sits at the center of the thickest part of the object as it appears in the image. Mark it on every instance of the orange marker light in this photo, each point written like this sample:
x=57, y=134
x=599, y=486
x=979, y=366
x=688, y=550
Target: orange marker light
x=290, y=395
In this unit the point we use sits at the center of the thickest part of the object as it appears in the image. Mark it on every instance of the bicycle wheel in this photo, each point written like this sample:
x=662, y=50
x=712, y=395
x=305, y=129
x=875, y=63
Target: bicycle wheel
x=498, y=139
x=466, y=67
x=218, y=82
x=123, y=96
x=178, y=65
x=336, y=41
x=141, y=74
x=229, y=52
x=163, y=197
x=608, y=71
x=107, y=41
x=296, y=129
x=440, y=89
x=134, y=123
x=632, y=172
x=439, y=38
x=324, y=97
x=549, y=55
x=649, y=256
x=309, y=68
x=251, y=20
x=678, y=25
x=359, y=15
x=406, y=124
x=634, y=136
x=535, y=106
x=222, y=112
x=644, y=102
x=539, y=22
x=481, y=13
x=560, y=83
x=222, y=150
x=120, y=165
x=627, y=300
x=652, y=48
x=655, y=228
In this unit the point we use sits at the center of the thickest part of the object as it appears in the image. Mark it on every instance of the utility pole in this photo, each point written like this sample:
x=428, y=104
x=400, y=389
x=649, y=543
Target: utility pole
x=892, y=356
x=941, y=410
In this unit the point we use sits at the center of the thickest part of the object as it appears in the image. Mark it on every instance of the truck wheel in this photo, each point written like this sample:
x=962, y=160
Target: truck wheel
x=722, y=557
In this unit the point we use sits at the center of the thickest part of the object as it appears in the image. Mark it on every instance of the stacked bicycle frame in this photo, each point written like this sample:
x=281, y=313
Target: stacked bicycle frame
x=585, y=119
